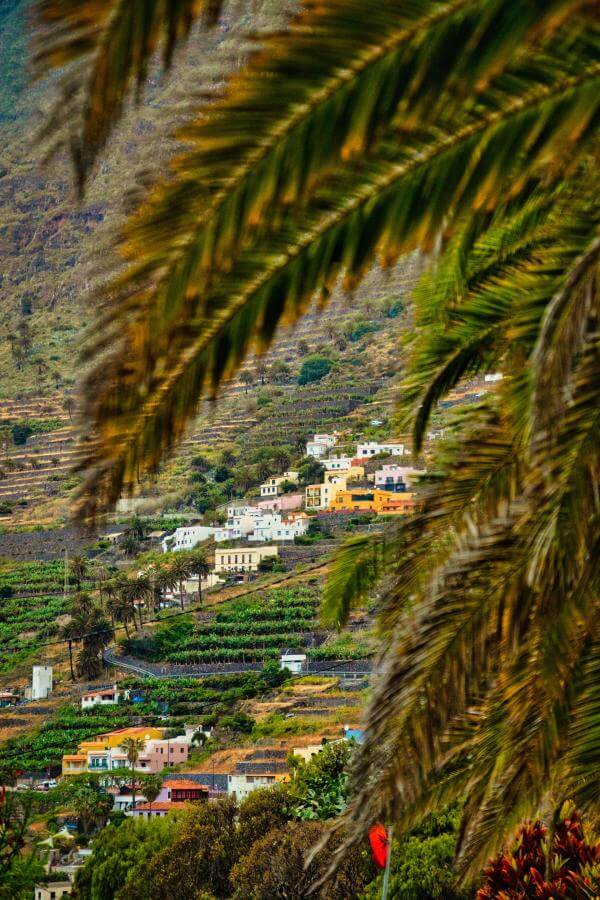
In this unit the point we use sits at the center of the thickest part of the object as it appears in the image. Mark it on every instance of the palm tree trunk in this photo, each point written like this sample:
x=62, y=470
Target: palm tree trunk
x=181, y=593
x=141, y=619
x=126, y=628
x=199, y=589
x=71, y=660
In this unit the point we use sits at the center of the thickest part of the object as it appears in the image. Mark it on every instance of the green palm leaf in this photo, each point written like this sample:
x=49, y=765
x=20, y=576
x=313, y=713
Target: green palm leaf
x=115, y=41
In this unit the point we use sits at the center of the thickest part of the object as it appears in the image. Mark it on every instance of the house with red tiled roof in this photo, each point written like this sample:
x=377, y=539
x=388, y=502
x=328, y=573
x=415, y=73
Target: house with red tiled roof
x=183, y=790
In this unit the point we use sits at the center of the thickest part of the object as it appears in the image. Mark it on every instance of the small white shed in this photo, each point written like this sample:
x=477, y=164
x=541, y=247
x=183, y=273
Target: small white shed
x=295, y=662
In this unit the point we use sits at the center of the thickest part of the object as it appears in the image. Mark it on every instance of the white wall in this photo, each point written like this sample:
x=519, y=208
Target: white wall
x=41, y=682
x=187, y=536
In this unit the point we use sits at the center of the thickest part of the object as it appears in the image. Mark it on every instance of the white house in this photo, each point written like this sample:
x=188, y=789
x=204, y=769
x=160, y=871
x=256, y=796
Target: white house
x=239, y=785
x=54, y=890
x=254, y=524
x=320, y=445
x=105, y=697
x=372, y=448
x=491, y=377
x=337, y=463
x=187, y=536
x=241, y=520
x=276, y=528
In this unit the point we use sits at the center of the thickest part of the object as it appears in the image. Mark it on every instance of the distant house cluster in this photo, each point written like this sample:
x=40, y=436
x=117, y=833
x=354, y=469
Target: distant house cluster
x=106, y=752
x=346, y=487
x=255, y=524
x=282, y=513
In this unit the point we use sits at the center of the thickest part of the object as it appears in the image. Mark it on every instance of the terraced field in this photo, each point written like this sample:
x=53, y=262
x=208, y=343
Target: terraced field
x=31, y=606
x=251, y=630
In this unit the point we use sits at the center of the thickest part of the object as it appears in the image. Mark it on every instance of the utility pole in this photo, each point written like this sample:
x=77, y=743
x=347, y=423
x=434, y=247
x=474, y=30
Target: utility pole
x=66, y=575
x=388, y=861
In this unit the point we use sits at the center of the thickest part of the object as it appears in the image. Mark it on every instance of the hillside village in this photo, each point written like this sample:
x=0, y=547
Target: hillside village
x=299, y=451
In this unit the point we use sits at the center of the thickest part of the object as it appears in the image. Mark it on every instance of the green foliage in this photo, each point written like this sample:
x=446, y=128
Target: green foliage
x=313, y=369
x=239, y=722
x=319, y=787
x=121, y=854
x=276, y=866
x=422, y=864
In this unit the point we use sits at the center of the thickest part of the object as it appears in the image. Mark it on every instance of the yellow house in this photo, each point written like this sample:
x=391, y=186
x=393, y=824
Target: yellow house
x=116, y=738
x=380, y=502
x=351, y=473
x=91, y=755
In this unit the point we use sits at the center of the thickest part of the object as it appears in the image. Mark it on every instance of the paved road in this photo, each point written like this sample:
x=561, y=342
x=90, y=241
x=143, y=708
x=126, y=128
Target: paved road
x=343, y=667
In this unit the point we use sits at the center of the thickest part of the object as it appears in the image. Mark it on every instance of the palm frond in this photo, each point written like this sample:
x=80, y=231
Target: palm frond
x=110, y=44
x=169, y=353
x=355, y=568
x=563, y=332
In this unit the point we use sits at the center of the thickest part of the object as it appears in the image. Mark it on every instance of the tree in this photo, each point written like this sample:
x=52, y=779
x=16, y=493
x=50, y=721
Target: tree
x=313, y=369
x=569, y=868
x=280, y=371
x=205, y=839
x=310, y=471
x=261, y=370
x=135, y=593
x=165, y=579
x=247, y=379
x=198, y=566
x=78, y=570
x=69, y=406
x=133, y=748
x=457, y=127
x=319, y=787
x=15, y=815
x=275, y=866
x=151, y=787
x=422, y=862
x=262, y=811
x=88, y=626
x=91, y=804
x=180, y=570
x=121, y=855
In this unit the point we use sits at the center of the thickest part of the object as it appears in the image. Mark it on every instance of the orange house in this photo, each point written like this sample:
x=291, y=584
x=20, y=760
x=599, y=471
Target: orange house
x=383, y=503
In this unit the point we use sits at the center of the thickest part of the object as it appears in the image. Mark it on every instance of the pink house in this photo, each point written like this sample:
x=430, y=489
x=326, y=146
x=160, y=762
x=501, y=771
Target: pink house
x=393, y=477
x=160, y=754
x=282, y=503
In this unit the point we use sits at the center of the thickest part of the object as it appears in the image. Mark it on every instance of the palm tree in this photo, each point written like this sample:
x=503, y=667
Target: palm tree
x=101, y=576
x=466, y=130
x=151, y=787
x=87, y=625
x=120, y=604
x=165, y=579
x=133, y=748
x=180, y=570
x=78, y=569
x=198, y=566
x=135, y=592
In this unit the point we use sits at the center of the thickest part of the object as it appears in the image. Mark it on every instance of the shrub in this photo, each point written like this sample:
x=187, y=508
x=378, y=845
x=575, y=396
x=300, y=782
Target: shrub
x=313, y=369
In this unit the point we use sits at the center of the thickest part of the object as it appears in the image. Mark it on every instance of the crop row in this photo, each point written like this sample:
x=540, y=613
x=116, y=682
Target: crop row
x=267, y=614
x=206, y=641
x=267, y=626
x=216, y=655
